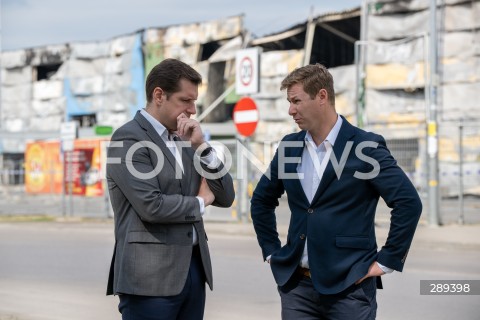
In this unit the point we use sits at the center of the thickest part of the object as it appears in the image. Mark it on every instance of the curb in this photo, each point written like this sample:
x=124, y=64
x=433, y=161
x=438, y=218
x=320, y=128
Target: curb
x=448, y=236
x=451, y=236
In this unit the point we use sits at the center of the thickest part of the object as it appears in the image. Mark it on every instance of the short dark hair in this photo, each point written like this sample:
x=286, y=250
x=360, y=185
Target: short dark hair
x=313, y=77
x=167, y=75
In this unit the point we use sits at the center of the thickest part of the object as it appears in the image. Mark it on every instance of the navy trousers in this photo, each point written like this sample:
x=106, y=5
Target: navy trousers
x=300, y=301
x=188, y=305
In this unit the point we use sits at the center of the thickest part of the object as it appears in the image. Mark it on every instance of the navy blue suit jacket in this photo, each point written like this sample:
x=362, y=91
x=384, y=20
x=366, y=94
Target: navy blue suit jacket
x=339, y=223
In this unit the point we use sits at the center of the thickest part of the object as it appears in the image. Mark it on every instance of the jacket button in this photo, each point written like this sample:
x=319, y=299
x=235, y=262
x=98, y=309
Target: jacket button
x=189, y=234
x=310, y=210
x=302, y=237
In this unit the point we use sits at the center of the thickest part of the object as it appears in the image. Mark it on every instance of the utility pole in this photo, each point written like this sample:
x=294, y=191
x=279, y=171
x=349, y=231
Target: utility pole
x=310, y=34
x=361, y=68
x=432, y=124
x=1, y=83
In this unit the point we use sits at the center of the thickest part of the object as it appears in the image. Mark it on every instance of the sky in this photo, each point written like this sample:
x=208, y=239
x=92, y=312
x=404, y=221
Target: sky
x=32, y=23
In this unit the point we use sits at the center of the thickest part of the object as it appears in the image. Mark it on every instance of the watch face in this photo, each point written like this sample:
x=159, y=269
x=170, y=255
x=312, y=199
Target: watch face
x=206, y=152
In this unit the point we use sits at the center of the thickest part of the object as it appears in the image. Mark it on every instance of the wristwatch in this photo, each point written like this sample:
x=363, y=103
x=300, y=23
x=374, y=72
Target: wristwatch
x=206, y=152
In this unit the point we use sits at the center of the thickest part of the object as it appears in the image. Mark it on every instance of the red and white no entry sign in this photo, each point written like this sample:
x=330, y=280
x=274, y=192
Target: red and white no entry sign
x=245, y=116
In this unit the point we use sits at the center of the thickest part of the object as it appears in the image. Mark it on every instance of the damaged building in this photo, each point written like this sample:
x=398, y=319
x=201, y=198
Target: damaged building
x=377, y=54
x=397, y=81
x=328, y=39
x=94, y=83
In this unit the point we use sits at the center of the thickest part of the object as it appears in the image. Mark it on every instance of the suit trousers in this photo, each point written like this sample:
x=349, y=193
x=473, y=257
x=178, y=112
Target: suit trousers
x=188, y=305
x=300, y=301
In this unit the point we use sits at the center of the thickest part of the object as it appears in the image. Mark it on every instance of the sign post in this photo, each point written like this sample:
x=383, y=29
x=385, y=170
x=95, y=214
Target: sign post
x=68, y=134
x=245, y=117
x=245, y=114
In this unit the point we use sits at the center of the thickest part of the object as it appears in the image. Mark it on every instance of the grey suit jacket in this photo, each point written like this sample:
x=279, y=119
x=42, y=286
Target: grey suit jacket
x=154, y=214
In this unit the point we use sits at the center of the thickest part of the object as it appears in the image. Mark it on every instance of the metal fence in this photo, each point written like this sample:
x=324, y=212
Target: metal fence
x=459, y=167
x=459, y=150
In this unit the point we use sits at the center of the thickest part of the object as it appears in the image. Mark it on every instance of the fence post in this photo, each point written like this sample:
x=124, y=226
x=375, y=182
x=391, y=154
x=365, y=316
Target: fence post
x=461, y=218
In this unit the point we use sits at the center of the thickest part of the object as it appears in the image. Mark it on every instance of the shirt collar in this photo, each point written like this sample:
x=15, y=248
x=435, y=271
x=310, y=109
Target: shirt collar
x=161, y=130
x=332, y=135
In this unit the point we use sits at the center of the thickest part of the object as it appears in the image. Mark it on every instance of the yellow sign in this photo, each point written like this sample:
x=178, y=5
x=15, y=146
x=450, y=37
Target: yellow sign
x=432, y=129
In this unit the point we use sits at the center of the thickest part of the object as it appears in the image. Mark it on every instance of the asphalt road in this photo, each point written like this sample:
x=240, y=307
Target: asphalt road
x=58, y=271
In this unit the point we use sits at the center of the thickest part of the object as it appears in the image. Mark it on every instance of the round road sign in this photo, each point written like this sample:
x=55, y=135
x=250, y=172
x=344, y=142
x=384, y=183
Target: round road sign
x=245, y=116
x=246, y=71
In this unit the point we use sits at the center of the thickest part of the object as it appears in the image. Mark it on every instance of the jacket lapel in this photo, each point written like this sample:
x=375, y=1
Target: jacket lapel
x=292, y=168
x=187, y=161
x=345, y=133
x=152, y=133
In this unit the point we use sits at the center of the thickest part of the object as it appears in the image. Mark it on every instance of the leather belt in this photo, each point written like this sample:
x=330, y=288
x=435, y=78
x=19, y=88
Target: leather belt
x=304, y=272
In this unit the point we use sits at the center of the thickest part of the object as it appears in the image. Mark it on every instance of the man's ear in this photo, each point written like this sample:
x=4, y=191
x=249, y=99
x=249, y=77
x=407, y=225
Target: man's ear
x=322, y=95
x=158, y=95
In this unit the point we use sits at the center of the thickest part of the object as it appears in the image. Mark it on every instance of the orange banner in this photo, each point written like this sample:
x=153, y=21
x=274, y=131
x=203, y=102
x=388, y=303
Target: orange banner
x=44, y=171
x=43, y=167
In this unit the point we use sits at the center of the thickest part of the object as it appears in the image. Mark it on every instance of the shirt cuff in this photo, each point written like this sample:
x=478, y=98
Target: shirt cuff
x=211, y=160
x=385, y=269
x=202, y=205
x=268, y=258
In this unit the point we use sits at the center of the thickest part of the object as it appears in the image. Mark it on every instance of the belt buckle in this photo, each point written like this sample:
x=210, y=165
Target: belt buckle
x=305, y=272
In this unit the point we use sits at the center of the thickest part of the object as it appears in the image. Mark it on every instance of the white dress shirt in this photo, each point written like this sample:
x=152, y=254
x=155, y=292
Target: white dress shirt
x=314, y=160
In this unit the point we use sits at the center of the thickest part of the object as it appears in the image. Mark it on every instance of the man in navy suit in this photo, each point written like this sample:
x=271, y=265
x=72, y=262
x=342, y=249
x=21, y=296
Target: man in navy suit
x=333, y=174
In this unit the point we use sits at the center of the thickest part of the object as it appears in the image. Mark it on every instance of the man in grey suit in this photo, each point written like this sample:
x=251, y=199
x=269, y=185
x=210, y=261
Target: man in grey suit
x=161, y=175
